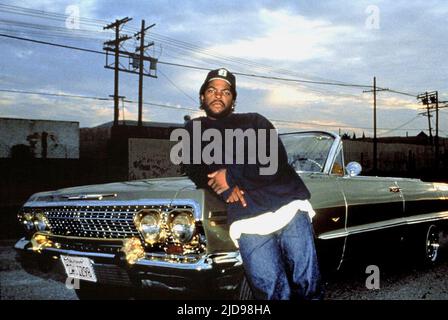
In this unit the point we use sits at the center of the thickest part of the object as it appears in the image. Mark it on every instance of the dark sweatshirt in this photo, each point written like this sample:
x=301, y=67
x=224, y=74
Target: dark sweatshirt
x=263, y=193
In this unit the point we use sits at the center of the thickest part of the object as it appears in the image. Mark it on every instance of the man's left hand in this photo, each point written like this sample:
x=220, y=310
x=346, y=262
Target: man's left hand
x=217, y=181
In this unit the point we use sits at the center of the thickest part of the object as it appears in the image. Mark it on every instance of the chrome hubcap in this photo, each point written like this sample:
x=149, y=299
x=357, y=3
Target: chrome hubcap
x=432, y=244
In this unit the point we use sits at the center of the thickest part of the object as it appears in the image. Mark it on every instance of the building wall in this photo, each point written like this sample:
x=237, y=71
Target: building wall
x=150, y=158
x=392, y=157
x=41, y=138
x=94, y=143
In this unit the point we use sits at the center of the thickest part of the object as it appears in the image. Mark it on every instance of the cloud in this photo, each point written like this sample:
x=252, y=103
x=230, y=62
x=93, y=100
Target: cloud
x=395, y=102
x=325, y=125
x=55, y=108
x=6, y=100
x=289, y=96
x=287, y=36
x=293, y=39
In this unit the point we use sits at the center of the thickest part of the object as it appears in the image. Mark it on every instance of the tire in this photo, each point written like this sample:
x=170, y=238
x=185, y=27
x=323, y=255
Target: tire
x=244, y=290
x=430, y=247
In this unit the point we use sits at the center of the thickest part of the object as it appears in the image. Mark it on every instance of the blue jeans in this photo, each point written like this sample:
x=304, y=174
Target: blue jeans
x=283, y=265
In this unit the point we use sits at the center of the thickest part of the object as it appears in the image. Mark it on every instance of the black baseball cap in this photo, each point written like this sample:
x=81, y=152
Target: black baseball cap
x=222, y=74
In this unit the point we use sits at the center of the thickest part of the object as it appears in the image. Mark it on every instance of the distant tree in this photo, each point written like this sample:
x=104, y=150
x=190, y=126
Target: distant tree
x=345, y=136
x=354, y=136
x=363, y=135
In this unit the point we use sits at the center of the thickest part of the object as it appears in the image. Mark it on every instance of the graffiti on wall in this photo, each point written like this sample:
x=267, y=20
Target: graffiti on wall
x=150, y=158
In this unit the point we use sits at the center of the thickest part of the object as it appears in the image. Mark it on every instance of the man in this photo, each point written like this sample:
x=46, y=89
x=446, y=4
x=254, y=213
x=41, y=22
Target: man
x=269, y=215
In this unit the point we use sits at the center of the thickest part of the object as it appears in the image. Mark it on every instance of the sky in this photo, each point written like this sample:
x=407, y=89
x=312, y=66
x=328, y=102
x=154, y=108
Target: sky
x=322, y=55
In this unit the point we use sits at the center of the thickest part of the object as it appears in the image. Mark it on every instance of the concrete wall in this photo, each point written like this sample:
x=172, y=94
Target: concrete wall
x=41, y=138
x=393, y=157
x=94, y=143
x=150, y=158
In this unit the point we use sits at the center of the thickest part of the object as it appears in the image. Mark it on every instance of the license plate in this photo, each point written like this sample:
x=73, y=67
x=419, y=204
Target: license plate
x=79, y=268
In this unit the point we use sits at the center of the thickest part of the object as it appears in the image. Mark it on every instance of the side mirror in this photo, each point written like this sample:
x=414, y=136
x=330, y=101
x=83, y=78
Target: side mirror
x=353, y=169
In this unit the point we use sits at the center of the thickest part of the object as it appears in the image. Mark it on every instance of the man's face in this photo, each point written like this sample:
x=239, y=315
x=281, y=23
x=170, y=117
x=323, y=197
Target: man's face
x=217, y=99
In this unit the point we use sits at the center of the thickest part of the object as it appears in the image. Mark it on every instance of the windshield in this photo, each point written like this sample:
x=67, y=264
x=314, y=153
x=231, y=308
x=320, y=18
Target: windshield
x=307, y=151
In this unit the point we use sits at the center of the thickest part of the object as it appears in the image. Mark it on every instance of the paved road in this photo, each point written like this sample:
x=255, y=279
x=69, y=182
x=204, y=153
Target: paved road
x=17, y=284
x=397, y=281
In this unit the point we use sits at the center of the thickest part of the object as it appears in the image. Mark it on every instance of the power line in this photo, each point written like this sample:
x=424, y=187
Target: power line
x=92, y=98
x=184, y=46
x=181, y=108
x=45, y=14
x=315, y=124
x=191, y=67
x=54, y=94
x=400, y=92
x=49, y=28
x=51, y=35
x=207, y=69
x=151, y=104
x=161, y=38
x=174, y=85
x=325, y=125
x=341, y=84
x=307, y=87
x=303, y=81
x=51, y=44
x=401, y=126
x=267, y=77
x=217, y=57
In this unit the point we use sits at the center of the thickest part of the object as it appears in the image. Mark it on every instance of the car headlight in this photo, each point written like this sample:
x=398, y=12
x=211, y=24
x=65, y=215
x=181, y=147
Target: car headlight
x=148, y=223
x=41, y=222
x=182, y=227
x=27, y=220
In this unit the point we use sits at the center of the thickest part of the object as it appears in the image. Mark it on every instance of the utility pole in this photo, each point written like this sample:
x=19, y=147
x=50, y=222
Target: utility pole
x=375, y=141
x=116, y=48
x=437, y=129
x=431, y=100
x=428, y=99
x=141, y=50
x=136, y=61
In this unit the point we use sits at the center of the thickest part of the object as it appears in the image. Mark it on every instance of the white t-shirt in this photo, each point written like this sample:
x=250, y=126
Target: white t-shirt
x=269, y=222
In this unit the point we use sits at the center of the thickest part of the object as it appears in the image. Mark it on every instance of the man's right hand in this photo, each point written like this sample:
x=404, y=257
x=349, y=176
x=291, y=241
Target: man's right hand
x=237, y=195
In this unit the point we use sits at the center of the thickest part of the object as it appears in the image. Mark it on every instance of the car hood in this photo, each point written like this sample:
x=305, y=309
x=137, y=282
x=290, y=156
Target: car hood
x=164, y=188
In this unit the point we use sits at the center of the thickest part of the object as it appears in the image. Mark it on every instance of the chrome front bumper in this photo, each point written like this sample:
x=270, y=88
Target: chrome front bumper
x=220, y=271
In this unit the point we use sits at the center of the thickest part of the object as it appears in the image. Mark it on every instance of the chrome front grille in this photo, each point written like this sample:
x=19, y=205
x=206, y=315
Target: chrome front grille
x=92, y=222
x=105, y=222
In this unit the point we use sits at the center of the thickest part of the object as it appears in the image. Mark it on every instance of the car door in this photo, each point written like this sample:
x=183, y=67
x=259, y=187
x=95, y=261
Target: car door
x=421, y=198
x=372, y=202
x=329, y=222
